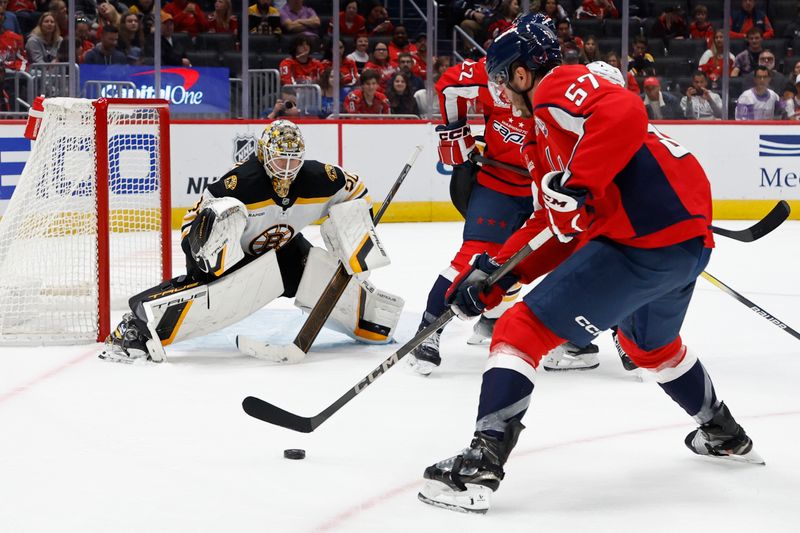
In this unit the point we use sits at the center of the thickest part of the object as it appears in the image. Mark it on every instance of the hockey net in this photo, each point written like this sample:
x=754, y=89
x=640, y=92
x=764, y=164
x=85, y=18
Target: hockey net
x=88, y=225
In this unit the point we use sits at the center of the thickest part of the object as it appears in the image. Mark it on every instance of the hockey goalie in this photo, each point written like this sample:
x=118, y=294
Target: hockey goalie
x=244, y=248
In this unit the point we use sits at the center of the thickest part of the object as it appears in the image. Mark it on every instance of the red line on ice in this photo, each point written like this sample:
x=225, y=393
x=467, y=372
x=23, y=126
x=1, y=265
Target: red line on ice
x=16, y=391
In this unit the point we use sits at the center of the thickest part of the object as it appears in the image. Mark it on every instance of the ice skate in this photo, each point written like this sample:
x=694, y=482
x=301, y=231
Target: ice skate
x=465, y=483
x=126, y=344
x=723, y=437
x=570, y=357
x=482, y=331
x=425, y=357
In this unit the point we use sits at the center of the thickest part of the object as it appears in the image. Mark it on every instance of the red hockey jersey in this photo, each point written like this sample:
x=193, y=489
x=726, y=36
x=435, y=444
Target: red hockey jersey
x=294, y=72
x=645, y=189
x=504, y=134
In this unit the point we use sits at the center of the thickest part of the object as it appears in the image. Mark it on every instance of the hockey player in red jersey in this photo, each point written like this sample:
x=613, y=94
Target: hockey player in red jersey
x=630, y=210
x=494, y=201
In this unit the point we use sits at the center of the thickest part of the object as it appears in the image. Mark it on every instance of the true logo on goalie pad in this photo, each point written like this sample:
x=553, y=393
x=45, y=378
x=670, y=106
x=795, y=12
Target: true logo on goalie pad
x=271, y=239
x=243, y=148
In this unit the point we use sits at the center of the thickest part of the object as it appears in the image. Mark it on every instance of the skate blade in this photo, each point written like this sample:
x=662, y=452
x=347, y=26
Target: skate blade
x=569, y=368
x=423, y=368
x=474, y=500
x=111, y=357
x=752, y=457
x=478, y=340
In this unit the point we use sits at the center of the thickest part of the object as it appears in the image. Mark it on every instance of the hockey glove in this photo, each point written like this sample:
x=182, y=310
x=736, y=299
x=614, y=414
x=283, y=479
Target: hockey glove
x=468, y=296
x=455, y=142
x=567, y=213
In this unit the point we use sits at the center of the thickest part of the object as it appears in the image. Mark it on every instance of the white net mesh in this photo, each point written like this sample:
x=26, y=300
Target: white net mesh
x=48, y=234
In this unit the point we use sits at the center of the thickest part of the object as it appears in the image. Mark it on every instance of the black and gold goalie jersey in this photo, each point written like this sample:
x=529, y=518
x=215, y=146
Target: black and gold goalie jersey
x=273, y=221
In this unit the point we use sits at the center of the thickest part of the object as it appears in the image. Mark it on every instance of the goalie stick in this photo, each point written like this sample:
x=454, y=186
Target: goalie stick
x=273, y=414
x=296, y=351
x=771, y=220
x=757, y=309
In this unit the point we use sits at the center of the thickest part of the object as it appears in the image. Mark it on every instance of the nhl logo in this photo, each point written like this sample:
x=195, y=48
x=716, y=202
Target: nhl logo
x=243, y=148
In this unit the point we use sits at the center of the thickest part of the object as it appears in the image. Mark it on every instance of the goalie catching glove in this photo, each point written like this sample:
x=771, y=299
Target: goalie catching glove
x=469, y=296
x=349, y=235
x=215, y=234
x=455, y=143
x=567, y=213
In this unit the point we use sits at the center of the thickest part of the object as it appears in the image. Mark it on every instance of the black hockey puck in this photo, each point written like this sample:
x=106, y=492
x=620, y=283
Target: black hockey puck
x=294, y=453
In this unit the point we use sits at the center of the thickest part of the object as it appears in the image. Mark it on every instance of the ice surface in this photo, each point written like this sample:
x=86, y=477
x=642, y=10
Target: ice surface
x=88, y=446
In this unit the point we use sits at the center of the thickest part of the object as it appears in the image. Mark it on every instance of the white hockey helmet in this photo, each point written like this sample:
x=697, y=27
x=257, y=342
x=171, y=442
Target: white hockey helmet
x=281, y=150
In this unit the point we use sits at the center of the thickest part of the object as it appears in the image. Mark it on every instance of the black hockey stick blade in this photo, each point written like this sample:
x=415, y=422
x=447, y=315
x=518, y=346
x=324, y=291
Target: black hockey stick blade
x=757, y=309
x=772, y=220
x=273, y=414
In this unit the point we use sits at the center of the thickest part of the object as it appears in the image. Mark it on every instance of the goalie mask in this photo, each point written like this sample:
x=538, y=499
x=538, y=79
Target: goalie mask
x=281, y=150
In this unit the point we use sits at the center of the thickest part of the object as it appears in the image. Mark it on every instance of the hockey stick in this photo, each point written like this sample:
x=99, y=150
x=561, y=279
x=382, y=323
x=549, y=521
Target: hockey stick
x=297, y=351
x=771, y=220
x=273, y=414
x=753, y=307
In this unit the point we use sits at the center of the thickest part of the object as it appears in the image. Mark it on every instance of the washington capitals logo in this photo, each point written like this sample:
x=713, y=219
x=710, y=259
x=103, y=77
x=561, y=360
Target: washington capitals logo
x=188, y=76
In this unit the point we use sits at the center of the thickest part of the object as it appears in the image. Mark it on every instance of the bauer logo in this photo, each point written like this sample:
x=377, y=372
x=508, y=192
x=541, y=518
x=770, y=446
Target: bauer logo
x=14, y=152
x=779, y=145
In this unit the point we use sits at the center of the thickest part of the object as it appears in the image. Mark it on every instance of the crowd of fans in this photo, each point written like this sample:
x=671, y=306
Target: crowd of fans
x=676, y=50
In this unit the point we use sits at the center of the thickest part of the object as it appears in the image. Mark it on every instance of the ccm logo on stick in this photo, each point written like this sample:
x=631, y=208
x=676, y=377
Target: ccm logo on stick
x=588, y=326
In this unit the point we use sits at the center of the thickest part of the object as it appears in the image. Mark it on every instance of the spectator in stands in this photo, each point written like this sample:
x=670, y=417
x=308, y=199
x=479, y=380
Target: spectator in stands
x=144, y=8
x=564, y=32
x=12, y=48
x=261, y=14
x=368, y=99
x=83, y=41
x=791, y=101
x=378, y=22
x=300, y=67
x=59, y=10
x=591, y=50
x=400, y=43
x=107, y=15
x=792, y=69
x=406, y=65
x=44, y=40
x=570, y=54
x=475, y=17
x=286, y=105
x=760, y=102
x=12, y=22
x=440, y=66
x=347, y=67
x=380, y=63
x=420, y=59
x=612, y=58
x=599, y=9
x=106, y=52
x=326, y=86
x=700, y=103
x=701, y=28
x=27, y=14
x=5, y=98
x=131, y=38
x=188, y=16
x=504, y=18
x=361, y=54
x=297, y=18
x=747, y=60
x=777, y=81
x=553, y=9
x=660, y=105
x=749, y=16
x=172, y=53
x=642, y=63
x=670, y=24
x=401, y=97
x=89, y=8
x=711, y=62
x=222, y=20
x=350, y=22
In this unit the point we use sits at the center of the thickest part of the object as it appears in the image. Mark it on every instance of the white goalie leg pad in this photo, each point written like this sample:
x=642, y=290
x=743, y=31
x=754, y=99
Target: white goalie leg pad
x=201, y=309
x=365, y=313
x=350, y=235
x=216, y=233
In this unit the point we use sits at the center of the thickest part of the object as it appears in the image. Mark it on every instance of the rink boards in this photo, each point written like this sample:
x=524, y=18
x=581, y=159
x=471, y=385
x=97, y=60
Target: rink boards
x=750, y=165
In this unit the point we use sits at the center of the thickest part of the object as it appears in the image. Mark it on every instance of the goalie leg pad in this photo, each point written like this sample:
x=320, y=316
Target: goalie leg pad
x=193, y=309
x=364, y=313
x=350, y=235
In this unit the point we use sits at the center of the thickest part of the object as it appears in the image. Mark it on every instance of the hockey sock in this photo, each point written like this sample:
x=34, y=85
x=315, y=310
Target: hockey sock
x=690, y=386
x=436, y=305
x=506, y=390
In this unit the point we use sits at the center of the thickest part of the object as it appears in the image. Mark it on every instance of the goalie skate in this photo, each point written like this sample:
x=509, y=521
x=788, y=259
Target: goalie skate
x=126, y=344
x=570, y=357
x=482, y=331
x=724, y=438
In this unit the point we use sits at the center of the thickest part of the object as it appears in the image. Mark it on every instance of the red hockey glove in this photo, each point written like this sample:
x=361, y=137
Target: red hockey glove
x=455, y=143
x=566, y=208
x=468, y=296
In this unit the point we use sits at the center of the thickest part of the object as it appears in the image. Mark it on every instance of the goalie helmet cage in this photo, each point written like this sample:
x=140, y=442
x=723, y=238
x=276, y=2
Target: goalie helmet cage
x=89, y=224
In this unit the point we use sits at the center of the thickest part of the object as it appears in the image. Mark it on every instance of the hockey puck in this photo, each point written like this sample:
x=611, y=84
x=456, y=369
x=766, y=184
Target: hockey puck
x=294, y=453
